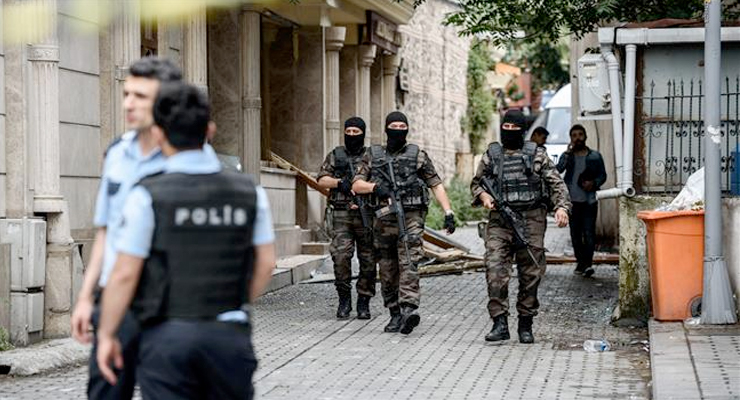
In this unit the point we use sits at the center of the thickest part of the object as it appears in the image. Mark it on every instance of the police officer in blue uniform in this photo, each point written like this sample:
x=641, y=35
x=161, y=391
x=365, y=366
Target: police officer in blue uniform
x=129, y=158
x=195, y=248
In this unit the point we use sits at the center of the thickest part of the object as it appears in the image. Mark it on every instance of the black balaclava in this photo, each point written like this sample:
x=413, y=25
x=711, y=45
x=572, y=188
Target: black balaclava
x=396, y=137
x=513, y=139
x=354, y=144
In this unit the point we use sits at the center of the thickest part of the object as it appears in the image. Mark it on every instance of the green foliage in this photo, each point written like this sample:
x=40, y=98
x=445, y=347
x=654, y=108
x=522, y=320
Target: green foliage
x=548, y=63
x=459, y=193
x=480, y=100
x=506, y=21
x=5, y=343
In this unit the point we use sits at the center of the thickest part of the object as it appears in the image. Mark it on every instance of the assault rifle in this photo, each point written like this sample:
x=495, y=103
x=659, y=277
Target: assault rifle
x=400, y=215
x=366, y=224
x=511, y=217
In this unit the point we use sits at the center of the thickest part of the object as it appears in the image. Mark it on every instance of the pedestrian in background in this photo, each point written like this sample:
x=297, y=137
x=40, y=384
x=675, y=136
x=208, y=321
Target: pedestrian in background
x=539, y=136
x=584, y=175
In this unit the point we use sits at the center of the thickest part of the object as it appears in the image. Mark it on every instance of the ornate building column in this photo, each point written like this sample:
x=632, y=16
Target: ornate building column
x=249, y=67
x=196, y=48
x=391, y=63
x=334, y=42
x=126, y=49
x=366, y=58
x=43, y=113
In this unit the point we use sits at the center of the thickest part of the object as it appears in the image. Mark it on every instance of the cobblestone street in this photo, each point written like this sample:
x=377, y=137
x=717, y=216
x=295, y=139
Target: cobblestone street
x=305, y=353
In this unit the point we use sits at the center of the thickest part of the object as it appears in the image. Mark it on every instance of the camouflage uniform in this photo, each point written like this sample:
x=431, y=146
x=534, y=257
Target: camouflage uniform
x=398, y=277
x=501, y=251
x=348, y=231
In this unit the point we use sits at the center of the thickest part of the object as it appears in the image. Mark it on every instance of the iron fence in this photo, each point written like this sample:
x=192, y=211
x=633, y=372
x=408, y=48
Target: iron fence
x=672, y=130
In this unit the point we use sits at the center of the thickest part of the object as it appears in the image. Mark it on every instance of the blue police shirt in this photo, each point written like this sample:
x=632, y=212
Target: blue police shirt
x=136, y=235
x=124, y=165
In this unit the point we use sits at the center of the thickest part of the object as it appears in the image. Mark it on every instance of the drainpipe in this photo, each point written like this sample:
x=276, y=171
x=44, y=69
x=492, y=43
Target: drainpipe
x=629, y=120
x=613, y=65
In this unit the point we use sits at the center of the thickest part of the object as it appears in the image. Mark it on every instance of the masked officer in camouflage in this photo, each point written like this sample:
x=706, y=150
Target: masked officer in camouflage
x=521, y=174
x=352, y=221
x=399, y=254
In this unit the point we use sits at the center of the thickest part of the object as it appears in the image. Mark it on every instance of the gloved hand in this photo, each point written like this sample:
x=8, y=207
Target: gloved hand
x=345, y=186
x=381, y=192
x=450, y=223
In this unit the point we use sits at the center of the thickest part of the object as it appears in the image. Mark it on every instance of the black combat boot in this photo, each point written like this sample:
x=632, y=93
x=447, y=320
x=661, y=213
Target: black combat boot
x=525, y=329
x=500, y=330
x=345, y=305
x=409, y=318
x=395, y=323
x=363, y=307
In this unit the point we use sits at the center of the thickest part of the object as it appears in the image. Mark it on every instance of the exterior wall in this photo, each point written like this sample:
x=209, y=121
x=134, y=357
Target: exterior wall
x=79, y=115
x=297, y=98
x=436, y=60
x=348, y=85
x=2, y=123
x=223, y=80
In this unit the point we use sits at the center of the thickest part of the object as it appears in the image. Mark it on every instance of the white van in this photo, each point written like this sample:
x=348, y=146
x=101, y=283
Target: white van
x=556, y=119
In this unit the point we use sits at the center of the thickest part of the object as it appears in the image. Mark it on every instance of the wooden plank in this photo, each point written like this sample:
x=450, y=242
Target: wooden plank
x=444, y=242
x=612, y=259
x=304, y=176
x=450, y=268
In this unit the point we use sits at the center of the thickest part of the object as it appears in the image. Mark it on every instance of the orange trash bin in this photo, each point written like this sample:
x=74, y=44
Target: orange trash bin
x=675, y=246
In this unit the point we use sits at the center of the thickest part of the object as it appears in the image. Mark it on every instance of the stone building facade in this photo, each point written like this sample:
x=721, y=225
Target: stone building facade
x=434, y=61
x=281, y=78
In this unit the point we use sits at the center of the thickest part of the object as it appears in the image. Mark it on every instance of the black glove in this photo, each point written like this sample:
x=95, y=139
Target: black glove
x=381, y=192
x=450, y=223
x=345, y=186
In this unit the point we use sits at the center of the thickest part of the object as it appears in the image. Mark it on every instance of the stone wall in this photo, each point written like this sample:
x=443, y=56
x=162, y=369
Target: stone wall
x=296, y=97
x=436, y=61
x=2, y=123
x=79, y=115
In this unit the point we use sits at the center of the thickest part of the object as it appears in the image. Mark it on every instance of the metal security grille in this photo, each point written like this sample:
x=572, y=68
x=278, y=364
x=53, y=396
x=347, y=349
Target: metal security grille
x=672, y=130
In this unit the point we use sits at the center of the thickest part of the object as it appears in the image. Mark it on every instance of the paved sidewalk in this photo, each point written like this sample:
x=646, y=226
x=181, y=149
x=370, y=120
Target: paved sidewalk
x=695, y=362
x=305, y=353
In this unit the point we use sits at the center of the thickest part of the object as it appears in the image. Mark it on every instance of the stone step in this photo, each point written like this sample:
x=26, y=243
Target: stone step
x=315, y=248
x=294, y=269
x=288, y=240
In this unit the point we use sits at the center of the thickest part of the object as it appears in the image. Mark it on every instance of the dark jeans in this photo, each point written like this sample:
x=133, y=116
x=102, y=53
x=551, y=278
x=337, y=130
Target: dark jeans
x=97, y=386
x=583, y=232
x=181, y=359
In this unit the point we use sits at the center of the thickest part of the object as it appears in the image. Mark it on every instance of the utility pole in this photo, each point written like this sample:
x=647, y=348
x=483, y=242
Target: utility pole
x=718, y=305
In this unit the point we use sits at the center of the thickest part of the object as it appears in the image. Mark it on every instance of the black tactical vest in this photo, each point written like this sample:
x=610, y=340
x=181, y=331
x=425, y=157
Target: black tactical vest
x=513, y=176
x=344, y=165
x=412, y=189
x=201, y=259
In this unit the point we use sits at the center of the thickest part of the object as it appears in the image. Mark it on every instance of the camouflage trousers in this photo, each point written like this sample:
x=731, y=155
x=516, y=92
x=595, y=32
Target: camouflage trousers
x=399, y=279
x=502, y=252
x=348, y=231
